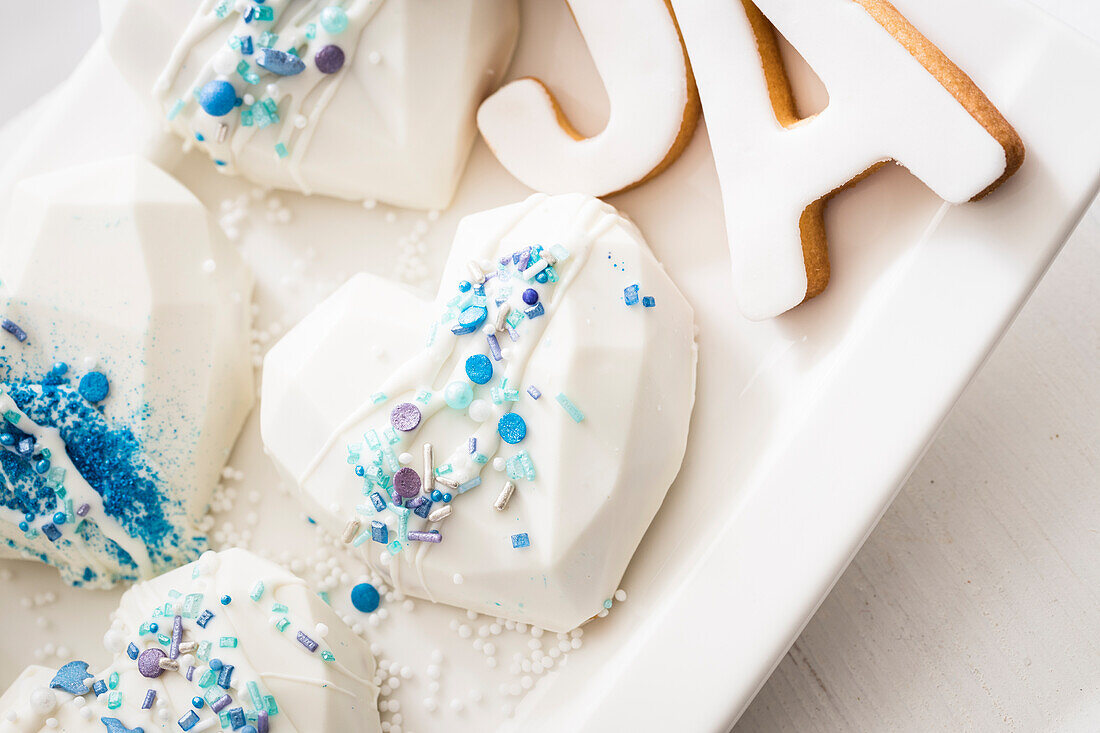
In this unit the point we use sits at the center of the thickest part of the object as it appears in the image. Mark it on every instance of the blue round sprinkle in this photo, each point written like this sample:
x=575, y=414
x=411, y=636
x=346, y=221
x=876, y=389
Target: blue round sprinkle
x=217, y=98
x=226, y=600
x=197, y=702
x=464, y=286
x=364, y=597
x=94, y=387
x=42, y=466
x=512, y=428
x=23, y=526
x=446, y=498
x=59, y=368
x=154, y=628
x=359, y=470
x=479, y=369
x=458, y=395
x=334, y=19
x=215, y=664
x=248, y=729
x=29, y=517
x=542, y=277
x=437, y=495
x=59, y=518
x=7, y=439
x=530, y=296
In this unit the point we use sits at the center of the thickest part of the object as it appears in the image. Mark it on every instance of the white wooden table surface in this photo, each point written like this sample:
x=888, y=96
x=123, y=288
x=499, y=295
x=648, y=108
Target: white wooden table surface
x=975, y=604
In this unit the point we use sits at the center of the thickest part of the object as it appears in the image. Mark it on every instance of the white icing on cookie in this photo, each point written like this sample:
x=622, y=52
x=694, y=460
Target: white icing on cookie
x=606, y=422
x=328, y=689
x=883, y=105
x=654, y=107
x=393, y=123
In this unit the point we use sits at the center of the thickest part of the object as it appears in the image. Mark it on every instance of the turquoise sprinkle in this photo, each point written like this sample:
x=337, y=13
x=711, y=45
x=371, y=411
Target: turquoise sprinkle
x=328, y=656
x=228, y=642
x=282, y=623
x=279, y=608
x=378, y=397
x=443, y=470
x=471, y=484
x=268, y=39
x=394, y=547
x=281, y=150
x=257, y=590
x=112, y=681
x=176, y=108
x=607, y=603
x=311, y=31
x=270, y=706
x=203, y=652
x=114, y=700
x=573, y=410
x=254, y=693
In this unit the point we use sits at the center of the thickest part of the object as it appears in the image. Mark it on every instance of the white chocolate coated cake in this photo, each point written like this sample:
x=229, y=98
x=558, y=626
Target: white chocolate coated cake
x=503, y=448
x=125, y=373
x=229, y=641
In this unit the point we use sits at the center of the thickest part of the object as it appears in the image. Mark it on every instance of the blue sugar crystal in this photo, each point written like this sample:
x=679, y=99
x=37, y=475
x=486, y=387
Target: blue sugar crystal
x=630, y=294
x=648, y=301
x=521, y=540
x=379, y=532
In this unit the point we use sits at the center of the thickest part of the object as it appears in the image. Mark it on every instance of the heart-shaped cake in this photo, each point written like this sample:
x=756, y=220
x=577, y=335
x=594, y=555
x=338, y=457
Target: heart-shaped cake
x=230, y=636
x=505, y=447
x=125, y=371
x=363, y=100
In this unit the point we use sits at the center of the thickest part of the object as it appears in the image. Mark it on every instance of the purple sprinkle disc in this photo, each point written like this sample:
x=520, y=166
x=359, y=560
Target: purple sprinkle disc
x=405, y=417
x=406, y=482
x=329, y=59
x=149, y=663
x=83, y=509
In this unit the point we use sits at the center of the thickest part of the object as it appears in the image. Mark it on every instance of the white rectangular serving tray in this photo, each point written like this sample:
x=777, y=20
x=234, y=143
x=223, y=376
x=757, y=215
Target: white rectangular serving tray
x=804, y=427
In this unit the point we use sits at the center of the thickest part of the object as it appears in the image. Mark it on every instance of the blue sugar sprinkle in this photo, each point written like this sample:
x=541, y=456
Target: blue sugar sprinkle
x=512, y=428
x=379, y=532
x=71, y=676
x=280, y=62
x=377, y=500
x=226, y=600
x=189, y=719
x=204, y=618
x=114, y=725
x=114, y=464
x=535, y=311
x=99, y=687
x=649, y=301
x=236, y=716
x=630, y=294
x=132, y=651
x=365, y=597
x=479, y=369
x=14, y=330
x=521, y=540
x=94, y=387
x=51, y=531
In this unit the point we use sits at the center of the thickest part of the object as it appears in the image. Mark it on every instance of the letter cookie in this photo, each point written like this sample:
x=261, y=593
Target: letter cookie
x=640, y=56
x=893, y=96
